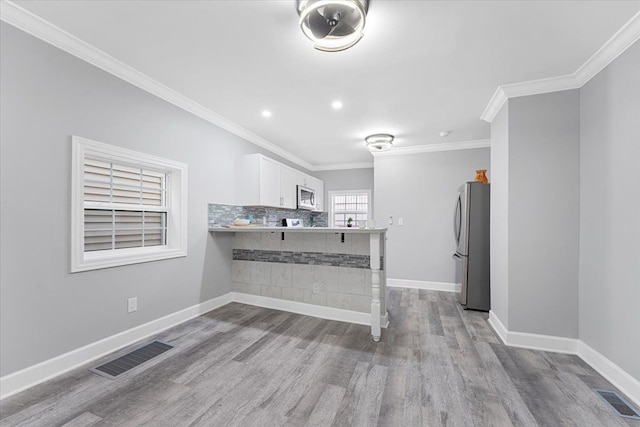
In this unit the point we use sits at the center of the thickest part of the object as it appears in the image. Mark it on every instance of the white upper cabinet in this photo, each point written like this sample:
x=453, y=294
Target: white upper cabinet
x=302, y=179
x=288, y=191
x=260, y=181
x=266, y=182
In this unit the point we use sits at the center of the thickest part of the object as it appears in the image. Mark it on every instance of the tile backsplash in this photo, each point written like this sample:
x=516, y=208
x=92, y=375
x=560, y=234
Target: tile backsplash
x=221, y=215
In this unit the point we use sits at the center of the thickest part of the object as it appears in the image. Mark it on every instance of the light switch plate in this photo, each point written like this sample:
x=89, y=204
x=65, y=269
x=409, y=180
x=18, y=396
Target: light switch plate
x=400, y=221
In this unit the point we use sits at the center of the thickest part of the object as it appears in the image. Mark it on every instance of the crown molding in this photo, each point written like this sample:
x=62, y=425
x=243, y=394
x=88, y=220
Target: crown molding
x=616, y=45
x=32, y=24
x=341, y=166
x=532, y=87
x=432, y=148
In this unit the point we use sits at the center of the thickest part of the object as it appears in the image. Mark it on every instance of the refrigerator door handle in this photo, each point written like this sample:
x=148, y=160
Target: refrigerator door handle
x=457, y=221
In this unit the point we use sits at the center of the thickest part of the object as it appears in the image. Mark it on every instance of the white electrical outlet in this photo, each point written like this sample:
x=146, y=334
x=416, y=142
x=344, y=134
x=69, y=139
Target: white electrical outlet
x=132, y=304
x=316, y=288
x=400, y=221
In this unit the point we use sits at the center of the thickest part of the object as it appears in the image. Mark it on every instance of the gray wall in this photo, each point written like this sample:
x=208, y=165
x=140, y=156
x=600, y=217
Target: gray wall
x=500, y=215
x=609, y=211
x=422, y=189
x=47, y=96
x=544, y=207
x=346, y=179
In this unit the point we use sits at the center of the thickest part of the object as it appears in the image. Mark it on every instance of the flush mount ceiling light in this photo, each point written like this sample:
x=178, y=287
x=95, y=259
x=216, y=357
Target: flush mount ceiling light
x=379, y=141
x=333, y=25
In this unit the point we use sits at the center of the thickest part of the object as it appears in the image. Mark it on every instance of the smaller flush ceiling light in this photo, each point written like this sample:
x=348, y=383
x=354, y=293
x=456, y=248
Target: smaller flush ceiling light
x=336, y=105
x=445, y=133
x=333, y=25
x=266, y=113
x=379, y=141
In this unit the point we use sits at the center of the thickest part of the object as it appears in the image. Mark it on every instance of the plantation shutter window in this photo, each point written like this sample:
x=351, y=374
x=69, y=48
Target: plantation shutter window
x=124, y=207
x=128, y=207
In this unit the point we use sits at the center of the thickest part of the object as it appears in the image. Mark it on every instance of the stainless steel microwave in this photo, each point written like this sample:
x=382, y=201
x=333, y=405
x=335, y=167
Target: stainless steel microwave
x=306, y=198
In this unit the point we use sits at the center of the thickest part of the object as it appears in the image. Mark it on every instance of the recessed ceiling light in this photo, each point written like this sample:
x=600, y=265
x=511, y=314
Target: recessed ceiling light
x=266, y=113
x=445, y=133
x=336, y=105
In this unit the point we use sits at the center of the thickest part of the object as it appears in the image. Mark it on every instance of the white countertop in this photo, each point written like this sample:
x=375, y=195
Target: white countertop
x=251, y=229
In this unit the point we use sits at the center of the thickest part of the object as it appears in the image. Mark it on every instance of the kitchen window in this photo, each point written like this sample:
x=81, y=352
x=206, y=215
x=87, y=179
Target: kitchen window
x=355, y=204
x=127, y=207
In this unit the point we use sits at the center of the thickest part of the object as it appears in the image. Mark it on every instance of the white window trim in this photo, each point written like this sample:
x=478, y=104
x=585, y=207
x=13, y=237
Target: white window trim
x=176, y=245
x=332, y=193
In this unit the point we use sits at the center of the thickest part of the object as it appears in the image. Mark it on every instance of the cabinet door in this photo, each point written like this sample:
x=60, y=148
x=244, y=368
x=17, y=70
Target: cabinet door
x=288, y=193
x=269, y=182
x=319, y=195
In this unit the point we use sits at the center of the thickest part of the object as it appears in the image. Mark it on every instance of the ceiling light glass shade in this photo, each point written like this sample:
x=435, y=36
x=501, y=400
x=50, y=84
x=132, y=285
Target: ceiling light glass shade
x=379, y=142
x=333, y=25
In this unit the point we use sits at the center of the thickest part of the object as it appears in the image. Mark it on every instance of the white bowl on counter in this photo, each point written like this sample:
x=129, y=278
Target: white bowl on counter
x=240, y=221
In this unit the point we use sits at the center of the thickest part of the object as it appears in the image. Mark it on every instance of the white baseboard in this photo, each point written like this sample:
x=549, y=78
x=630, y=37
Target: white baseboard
x=612, y=372
x=26, y=378
x=605, y=367
x=322, y=312
x=44, y=371
x=543, y=342
x=497, y=326
x=532, y=341
x=421, y=284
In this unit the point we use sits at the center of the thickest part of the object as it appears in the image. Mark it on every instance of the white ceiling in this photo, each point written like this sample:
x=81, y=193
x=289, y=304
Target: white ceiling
x=422, y=66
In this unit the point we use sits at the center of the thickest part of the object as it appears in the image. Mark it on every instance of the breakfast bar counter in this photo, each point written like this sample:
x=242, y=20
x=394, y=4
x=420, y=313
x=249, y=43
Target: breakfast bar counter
x=334, y=273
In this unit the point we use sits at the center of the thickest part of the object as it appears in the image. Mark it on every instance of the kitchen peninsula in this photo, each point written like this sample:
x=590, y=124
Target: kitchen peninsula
x=334, y=273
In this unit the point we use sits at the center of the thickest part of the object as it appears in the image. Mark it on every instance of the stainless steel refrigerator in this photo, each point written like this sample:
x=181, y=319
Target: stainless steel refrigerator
x=471, y=230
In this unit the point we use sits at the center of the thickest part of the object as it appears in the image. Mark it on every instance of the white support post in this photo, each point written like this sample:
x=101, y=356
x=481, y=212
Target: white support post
x=374, y=252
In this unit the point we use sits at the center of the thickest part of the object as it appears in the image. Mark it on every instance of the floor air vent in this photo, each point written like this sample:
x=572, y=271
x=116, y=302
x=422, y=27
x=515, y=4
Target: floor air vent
x=617, y=402
x=130, y=360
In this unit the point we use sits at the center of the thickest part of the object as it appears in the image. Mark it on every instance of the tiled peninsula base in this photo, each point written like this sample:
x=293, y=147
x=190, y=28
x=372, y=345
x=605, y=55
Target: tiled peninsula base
x=340, y=270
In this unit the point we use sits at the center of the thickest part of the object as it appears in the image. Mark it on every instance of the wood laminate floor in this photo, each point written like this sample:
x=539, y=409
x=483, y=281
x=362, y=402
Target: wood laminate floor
x=247, y=366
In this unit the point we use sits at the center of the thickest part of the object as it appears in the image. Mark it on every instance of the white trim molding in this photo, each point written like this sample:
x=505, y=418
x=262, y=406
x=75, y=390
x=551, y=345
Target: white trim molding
x=319, y=311
x=38, y=27
x=421, y=284
x=533, y=87
x=44, y=371
x=616, y=45
x=617, y=376
x=624, y=38
x=498, y=326
x=432, y=148
x=612, y=372
x=341, y=166
x=532, y=341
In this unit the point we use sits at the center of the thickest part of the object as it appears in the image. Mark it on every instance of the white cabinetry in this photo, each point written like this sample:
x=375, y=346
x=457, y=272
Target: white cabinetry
x=260, y=181
x=266, y=182
x=288, y=187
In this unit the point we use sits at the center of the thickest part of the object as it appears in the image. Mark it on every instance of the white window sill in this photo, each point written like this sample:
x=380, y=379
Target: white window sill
x=106, y=259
